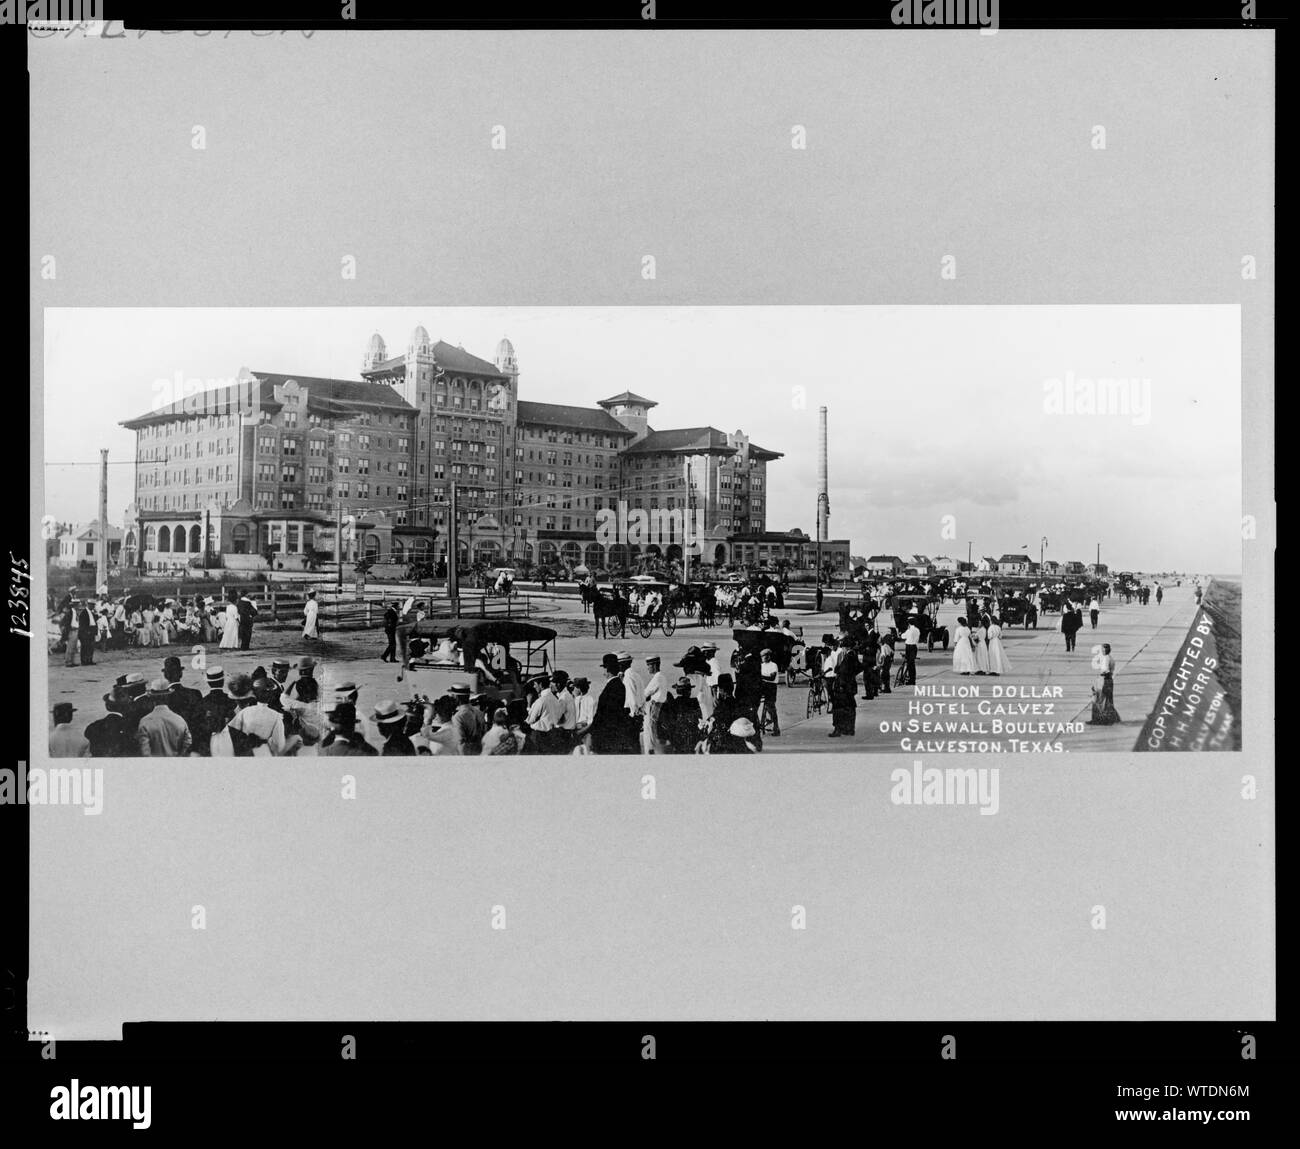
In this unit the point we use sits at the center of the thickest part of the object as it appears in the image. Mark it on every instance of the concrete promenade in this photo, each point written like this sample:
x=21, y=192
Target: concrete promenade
x=1143, y=640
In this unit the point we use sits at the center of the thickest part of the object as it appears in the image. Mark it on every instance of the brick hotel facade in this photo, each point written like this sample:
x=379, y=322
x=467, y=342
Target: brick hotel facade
x=271, y=462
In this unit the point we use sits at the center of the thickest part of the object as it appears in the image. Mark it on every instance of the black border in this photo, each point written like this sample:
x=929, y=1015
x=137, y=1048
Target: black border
x=1044, y=1075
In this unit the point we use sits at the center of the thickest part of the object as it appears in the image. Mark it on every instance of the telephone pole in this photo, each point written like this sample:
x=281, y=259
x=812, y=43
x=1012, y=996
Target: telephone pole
x=101, y=565
x=338, y=539
x=686, y=531
x=453, y=556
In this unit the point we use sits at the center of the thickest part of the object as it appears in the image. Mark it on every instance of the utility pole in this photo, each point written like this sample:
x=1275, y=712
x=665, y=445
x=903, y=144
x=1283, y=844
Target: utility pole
x=101, y=565
x=686, y=531
x=338, y=538
x=969, y=544
x=1042, y=552
x=453, y=556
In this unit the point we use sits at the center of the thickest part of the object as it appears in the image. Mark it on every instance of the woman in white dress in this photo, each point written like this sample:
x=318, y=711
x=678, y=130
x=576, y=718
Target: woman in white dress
x=311, y=612
x=998, y=661
x=963, y=660
x=979, y=646
x=230, y=630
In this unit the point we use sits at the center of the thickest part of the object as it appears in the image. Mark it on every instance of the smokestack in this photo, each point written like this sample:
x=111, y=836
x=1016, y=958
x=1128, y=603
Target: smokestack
x=823, y=490
x=101, y=563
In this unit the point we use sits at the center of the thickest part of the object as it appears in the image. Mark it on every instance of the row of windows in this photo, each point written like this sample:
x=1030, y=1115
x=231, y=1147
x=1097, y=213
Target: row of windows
x=191, y=425
x=183, y=478
x=165, y=454
x=569, y=438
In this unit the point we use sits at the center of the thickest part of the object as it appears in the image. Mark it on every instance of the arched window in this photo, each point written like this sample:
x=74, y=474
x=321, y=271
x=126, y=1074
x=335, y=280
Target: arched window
x=178, y=540
x=239, y=538
x=196, y=538
x=397, y=550
x=150, y=539
x=372, y=546
x=164, y=540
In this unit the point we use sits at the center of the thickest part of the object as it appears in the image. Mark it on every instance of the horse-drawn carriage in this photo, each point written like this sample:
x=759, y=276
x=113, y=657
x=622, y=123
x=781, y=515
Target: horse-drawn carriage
x=654, y=603
x=926, y=611
x=781, y=645
x=447, y=651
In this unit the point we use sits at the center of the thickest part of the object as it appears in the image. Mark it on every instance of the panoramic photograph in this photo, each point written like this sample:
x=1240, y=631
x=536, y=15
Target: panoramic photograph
x=642, y=530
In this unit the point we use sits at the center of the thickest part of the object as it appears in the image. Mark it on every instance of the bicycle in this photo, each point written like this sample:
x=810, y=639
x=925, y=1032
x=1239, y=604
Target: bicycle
x=817, y=699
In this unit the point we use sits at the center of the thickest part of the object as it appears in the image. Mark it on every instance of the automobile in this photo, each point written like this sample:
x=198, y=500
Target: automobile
x=472, y=635
x=922, y=605
x=1018, y=610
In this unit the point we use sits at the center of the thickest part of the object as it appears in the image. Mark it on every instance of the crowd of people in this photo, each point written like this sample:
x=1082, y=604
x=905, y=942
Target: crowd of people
x=103, y=623
x=701, y=709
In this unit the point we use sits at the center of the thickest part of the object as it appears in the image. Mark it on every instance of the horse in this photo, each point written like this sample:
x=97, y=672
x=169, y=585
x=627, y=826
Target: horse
x=588, y=593
x=604, y=607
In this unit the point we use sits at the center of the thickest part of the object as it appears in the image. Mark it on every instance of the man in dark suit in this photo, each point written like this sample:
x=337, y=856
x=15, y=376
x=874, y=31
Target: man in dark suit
x=217, y=709
x=181, y=698
x=844, y=692
x=390, y=629
x=86, y=633
x=247, y=613
x=107, y=735
x=612, y=731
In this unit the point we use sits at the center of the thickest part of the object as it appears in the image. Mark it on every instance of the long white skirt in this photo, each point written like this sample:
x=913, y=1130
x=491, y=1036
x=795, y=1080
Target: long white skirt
x=981, y=655
x=998, y=661
x=963, y=661
x=230, y=636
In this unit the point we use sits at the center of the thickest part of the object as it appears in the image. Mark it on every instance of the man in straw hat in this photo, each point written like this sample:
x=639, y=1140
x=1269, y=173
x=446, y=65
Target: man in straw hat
x=162, y=732
x=344, y=739
x=656, y=697
x=391, y=720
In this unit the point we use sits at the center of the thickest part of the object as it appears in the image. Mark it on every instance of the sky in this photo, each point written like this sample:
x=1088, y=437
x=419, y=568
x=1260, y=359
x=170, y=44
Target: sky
x=952, y=429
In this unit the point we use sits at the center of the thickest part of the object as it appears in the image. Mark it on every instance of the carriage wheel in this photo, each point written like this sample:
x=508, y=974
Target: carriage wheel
x=669, y=625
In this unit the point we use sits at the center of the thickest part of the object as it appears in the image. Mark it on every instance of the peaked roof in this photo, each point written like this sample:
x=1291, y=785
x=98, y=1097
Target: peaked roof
x=329, y=395
x=1014, y=559
x=564, y=415
x=91, y=531
x=884, y=559
x=694, y=440
x=454, y=359
x=627, y=397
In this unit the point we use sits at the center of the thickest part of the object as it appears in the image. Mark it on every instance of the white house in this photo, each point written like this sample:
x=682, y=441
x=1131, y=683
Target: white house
x=884, y=564
x=944, y=565
x=986, y=565
x=1013, y=564
x=83, y=545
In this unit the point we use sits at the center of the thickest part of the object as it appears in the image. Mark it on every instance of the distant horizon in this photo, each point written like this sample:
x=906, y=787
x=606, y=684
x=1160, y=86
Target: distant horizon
x=940, y=431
